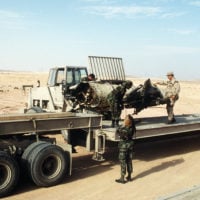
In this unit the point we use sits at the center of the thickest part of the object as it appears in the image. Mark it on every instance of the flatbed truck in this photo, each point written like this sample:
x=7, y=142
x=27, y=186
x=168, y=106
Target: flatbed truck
x=27, y=142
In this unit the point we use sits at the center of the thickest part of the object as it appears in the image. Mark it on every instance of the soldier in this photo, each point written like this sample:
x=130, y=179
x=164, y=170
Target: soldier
x=171, y=95
x=115, y=98
x=125, y=146
x=90, y=77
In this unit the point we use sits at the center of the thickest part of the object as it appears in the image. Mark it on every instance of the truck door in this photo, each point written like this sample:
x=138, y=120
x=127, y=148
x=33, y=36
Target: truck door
x=55, y=81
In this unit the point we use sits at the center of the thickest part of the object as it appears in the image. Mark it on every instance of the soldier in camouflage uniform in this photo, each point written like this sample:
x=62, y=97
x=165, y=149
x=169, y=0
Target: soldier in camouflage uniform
x=125, y=146
x=171, y=95
x=115, y=98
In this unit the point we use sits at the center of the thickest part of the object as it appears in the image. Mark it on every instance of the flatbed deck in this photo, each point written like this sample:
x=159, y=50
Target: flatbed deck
x=41, y=122
x=157, y=126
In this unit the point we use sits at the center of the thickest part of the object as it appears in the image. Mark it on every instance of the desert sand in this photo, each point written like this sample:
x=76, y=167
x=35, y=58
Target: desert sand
x=161, y=168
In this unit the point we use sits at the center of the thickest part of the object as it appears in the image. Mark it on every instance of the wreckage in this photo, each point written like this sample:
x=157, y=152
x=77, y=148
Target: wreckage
x=143, y=96
x=67, y=89
x=93, y=96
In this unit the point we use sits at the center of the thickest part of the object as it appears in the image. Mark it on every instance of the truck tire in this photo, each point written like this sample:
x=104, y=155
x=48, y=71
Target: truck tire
x=48, y=165
x=29, y=149
x=9, y=173
x=26, y=155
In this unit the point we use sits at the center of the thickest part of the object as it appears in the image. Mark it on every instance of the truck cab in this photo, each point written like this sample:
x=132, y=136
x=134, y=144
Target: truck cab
x=70, y=75
x=64, y=93
x=52, y=97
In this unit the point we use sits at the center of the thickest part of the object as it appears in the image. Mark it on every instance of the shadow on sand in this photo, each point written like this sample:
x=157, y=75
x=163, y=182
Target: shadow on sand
x=160, y=167
x=147, y=150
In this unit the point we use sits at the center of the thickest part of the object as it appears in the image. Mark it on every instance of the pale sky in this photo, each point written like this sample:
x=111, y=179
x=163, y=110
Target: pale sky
x=152, y=36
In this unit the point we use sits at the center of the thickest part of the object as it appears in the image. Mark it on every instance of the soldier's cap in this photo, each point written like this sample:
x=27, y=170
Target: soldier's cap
x=170, y=73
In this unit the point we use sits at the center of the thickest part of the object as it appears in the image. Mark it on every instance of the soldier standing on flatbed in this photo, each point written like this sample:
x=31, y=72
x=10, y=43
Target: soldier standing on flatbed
x=115, y=98
x=125, y=146
x=171, y=95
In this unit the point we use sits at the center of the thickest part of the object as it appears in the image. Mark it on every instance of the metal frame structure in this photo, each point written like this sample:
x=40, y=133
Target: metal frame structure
x=107, y=68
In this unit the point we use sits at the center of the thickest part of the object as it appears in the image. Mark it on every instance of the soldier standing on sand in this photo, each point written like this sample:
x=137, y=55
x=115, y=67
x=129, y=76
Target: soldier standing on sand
x=125, y=146
x=115, y=98
x=171, y=95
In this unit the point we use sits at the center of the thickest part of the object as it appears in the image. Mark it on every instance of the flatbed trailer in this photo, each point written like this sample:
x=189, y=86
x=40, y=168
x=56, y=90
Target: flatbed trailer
x=156, y=126
x=25, y=143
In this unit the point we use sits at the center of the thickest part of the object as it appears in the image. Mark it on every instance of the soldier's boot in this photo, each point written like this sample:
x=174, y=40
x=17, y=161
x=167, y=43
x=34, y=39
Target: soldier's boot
x=121, y=180
x=113, y=123
x=128, y=178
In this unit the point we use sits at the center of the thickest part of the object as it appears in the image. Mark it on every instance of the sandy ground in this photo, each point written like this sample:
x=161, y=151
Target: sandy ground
x=161, y=168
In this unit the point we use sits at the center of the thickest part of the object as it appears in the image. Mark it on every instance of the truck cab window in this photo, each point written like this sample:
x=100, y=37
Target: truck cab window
x=77, y=76
x=51, y=79
x=60, y=76
x=69, y=78
x=83, y=73
x=56, y=76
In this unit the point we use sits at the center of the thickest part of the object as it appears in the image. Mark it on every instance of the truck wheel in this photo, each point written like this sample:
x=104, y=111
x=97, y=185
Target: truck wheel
x=48, y=165
x=9, y=173
x=27, y=153
x=30, y=148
